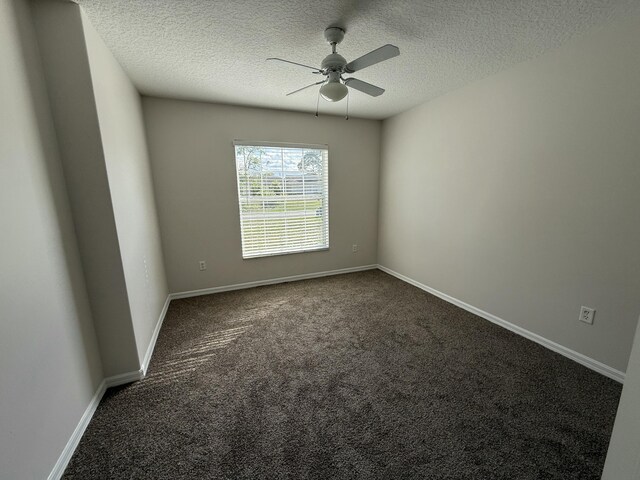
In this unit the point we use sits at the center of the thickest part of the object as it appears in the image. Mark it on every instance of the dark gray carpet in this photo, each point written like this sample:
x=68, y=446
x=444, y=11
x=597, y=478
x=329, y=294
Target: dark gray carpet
x=353, y=376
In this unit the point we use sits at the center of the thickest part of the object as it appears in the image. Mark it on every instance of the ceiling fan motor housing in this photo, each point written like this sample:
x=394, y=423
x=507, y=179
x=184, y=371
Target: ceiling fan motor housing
x=334, y=62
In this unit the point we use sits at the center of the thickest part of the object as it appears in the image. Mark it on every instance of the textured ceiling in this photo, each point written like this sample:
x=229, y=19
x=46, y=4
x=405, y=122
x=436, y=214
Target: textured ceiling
x=215, y=50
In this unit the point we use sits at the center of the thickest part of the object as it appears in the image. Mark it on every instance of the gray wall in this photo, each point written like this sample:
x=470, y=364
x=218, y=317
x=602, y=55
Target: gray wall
x=518, y=194
x=192, y=158
x=66, y=67
x=623, y=457
x=125, y=152
x=49, y=363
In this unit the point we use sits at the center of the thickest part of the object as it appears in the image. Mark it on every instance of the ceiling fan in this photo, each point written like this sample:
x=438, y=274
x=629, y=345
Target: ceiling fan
x=334, y=67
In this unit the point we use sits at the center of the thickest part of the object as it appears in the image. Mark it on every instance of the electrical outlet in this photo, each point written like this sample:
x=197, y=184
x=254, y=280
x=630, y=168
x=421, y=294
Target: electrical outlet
x=354, y=248
x=586, y=315
x=203, y=265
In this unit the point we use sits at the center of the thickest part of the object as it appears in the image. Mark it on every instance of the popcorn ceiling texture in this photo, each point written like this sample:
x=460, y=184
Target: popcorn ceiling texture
x=215, y=50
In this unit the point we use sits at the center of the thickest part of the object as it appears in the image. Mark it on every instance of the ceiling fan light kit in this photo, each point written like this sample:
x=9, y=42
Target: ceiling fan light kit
x=333, y=90
x=334, y=66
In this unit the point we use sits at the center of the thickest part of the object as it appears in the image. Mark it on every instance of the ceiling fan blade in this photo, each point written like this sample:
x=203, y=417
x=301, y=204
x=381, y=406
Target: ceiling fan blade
x=378, y=55
x=300, y=89
x=317, y=70
x=364, y=87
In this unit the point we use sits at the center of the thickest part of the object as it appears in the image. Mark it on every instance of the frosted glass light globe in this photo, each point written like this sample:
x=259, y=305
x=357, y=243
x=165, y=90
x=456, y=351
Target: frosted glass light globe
x=333, y=91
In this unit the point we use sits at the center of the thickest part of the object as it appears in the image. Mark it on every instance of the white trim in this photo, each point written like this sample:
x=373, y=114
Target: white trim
x=70, y=447
x=115, y=380
x=123, y=378
x=310, y=146
x=74, y=440
x=154, y=337
x=272, y=281
x=588, y=362
x=128, y=377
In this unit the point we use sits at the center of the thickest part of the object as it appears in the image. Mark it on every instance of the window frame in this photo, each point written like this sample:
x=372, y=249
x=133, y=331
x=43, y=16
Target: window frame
x=325, y=195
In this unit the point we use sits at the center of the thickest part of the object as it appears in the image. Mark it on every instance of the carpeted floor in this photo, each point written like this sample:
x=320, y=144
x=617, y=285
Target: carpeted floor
x=357, y=376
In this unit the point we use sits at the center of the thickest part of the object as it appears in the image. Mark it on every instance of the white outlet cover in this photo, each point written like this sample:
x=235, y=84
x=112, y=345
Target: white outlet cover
x=586, y=315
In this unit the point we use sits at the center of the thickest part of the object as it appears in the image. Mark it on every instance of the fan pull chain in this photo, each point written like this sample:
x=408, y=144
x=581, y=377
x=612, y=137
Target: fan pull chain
x=348, y=95
x=318, y=104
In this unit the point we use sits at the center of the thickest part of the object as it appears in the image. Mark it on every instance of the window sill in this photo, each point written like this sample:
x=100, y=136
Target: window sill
x=277, y=254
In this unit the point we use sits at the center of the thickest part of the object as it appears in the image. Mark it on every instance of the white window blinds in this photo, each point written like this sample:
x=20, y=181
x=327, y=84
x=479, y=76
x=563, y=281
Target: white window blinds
x=283, y=192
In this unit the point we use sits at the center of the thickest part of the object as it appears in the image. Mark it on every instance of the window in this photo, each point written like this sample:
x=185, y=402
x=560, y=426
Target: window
x=283, y=192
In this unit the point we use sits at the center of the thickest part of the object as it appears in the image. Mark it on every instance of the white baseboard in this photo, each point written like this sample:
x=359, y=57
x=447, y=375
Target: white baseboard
x=113, y=381
x=70, y=447
x=272, y=281
x=123, y=378
x=154, y=337
x=128, y=377
x=74, y=440
x=567, y=352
